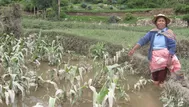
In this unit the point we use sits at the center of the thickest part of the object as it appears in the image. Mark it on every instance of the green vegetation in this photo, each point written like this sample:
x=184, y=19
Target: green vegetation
x=87, y=18
x=186, y=18
x=57, y=9
x=117, y=34
x=55, y=31
x=97, y=50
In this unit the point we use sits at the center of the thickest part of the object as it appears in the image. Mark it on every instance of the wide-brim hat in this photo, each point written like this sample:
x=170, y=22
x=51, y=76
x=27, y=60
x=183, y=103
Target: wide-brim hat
x=160, y=15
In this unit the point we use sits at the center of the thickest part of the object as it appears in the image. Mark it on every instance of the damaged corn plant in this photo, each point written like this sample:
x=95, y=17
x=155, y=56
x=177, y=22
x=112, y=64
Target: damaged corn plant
x=174, y=94
x=16, y=77
x=106, y=95
x=41, y=49
x=106, y=85
x=106, y=78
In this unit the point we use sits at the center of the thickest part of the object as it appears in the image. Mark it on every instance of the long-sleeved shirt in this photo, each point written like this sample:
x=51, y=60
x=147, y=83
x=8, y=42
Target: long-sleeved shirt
x=149, y=37
x=159, y=40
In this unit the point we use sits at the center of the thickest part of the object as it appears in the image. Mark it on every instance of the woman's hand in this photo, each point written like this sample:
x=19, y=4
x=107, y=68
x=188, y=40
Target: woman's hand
x=169, y=61
x=131, y=52
x=179, y=76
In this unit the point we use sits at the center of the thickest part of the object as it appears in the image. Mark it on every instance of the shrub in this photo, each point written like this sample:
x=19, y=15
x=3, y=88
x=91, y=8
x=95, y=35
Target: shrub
x=89, y=7
x=181, y=8
x=71, y=6
x=63, y=14
x=84, y=5
x=123, y=7
x=100, y=1
x=136, y=4
x=111, y=7
x=101, y=5
x=114, y=1
x=64, y=8
x=11, y=20
x=76, y=1
x=27, y=6
x=114, y=19
x=128, y=17
x=64, y=3
x=186, y=18
x=142, y=3
x=97, y=1
x=4, y=2
x=50, y=13
x=152, y=5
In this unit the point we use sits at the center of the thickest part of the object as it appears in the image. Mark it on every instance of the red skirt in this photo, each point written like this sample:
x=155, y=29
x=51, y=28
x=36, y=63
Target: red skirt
x=158, y=65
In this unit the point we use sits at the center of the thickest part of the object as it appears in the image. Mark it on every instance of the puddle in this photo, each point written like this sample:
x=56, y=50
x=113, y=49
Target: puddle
x=148, y=97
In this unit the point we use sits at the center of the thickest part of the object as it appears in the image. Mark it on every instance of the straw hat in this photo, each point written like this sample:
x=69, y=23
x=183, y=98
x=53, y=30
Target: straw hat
x=160, y=15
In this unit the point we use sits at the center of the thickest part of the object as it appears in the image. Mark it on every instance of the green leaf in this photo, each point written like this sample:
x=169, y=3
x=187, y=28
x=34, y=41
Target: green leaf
x=112, y=67
x=52, y=102
x=103, y=92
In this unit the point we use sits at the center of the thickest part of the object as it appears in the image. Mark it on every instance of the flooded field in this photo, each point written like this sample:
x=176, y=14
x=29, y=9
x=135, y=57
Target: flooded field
x=148, y=96
x=41, y=73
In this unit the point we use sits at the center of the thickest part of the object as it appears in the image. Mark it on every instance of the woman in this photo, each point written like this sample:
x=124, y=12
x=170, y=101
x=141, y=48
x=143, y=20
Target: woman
x=162, y=49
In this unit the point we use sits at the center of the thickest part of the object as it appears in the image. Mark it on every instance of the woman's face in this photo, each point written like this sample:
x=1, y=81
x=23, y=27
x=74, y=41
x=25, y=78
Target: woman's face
x=161, y=23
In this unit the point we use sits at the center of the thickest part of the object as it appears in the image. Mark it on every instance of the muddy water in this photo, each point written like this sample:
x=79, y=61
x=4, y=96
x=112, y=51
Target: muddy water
x=146, y=97
x=149, y=97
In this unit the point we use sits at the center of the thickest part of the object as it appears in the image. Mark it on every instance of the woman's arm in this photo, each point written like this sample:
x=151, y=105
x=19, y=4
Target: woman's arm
x=132, y=51
x=171, y=45
x=144, y=40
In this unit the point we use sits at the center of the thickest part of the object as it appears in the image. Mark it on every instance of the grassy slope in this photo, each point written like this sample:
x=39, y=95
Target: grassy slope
x=108, y=32
x=121, y=37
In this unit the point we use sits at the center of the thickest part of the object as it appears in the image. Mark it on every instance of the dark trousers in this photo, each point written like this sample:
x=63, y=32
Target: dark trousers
x=160, y=75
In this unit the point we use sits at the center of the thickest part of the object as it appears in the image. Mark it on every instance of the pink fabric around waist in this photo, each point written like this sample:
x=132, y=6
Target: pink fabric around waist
x=159, y=61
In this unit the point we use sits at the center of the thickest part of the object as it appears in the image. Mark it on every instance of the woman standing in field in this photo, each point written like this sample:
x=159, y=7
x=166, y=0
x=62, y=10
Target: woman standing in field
x=162, y=49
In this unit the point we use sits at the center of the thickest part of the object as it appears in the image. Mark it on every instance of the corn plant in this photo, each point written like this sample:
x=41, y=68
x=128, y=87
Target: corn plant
x=72, y=94
x=54, y=53
x=16, y=83
x=96, y=51
x=100, y=99
x=106, y=95
x=174, y=95
x=38, y=50
x=70, y=73
x=52, y=102
x=73, y=76
x=140, y=84
x=38, y=105
x=1, y=27
x=41, y=49
x=16, y=78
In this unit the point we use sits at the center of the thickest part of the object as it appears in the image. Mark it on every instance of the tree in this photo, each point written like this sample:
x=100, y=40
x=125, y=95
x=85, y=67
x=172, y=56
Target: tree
x=186, y=18
x=11, y=20
x=59, y=9
x=44, y=4
x=5, y=2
